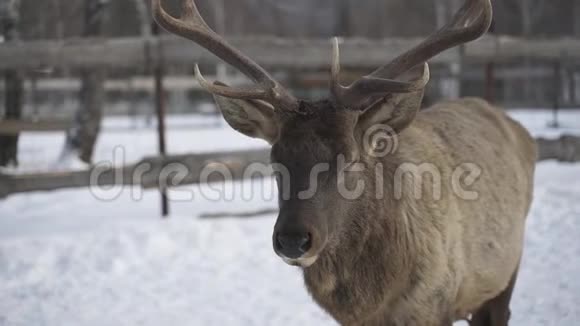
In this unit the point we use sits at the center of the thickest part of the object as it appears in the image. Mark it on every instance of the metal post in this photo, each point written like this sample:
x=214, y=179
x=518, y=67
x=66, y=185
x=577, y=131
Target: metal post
x=158, y=72
x=34, y=96
x=557, y=89
x=572, y=78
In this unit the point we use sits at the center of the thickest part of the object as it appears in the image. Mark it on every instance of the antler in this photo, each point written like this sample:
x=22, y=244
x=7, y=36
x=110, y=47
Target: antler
x=468, y=24
x=192, y=26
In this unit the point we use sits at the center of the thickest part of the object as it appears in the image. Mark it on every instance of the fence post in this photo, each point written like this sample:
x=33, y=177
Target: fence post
x=490, y=82
x=158, y=72
x=9, y=18
x=572, y=79
x=557, y=89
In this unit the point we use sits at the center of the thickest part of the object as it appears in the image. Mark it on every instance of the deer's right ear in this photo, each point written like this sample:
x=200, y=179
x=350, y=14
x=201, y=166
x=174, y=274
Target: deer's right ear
x=253, y=118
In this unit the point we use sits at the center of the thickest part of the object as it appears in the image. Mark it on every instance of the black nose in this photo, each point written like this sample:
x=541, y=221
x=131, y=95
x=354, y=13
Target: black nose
x=293, y=245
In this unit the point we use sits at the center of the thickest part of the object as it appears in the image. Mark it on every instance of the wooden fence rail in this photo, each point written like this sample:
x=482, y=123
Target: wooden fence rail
x=159, y=172
x=148, y=173
x=13, y=127
x=563, y=149
x=139, y=52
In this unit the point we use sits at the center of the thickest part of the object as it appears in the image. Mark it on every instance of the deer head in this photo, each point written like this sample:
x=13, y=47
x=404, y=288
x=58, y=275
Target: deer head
x=304, y=134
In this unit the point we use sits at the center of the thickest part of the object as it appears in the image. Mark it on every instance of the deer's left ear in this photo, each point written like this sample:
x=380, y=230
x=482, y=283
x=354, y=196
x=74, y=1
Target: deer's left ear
x=396, y=110
x=252, y=118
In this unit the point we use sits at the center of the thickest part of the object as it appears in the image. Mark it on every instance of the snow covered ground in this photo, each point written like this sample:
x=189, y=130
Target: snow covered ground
x=67, y=258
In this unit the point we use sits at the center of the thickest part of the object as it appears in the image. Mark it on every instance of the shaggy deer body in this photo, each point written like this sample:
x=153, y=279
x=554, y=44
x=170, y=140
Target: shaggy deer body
x=436, y=233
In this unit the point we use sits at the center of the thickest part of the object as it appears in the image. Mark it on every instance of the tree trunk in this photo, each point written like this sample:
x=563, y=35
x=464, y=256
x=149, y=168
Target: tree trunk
x=88, y=117
x=81, y=138
x=144, y=17
x=9, y=17
x=531, y=11
x=145, y=23
x=573, y=80
x=576, y=21
x=449, y=87
x=527, y=32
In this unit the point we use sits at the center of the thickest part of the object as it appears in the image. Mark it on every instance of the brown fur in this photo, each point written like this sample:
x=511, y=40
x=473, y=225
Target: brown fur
x=404, y=261
x=397, y=259
x=409, y=262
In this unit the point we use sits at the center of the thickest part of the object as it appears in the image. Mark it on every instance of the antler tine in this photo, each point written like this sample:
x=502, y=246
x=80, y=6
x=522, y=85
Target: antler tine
x=461, y=17
x=238, y=93
x=469, y=23
x=335, y=67
x=456, y=32
x=369, y=85
x=190, y=13
x=192, y=26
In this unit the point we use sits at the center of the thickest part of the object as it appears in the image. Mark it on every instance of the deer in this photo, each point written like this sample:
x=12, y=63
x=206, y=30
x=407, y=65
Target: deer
x=387, y=260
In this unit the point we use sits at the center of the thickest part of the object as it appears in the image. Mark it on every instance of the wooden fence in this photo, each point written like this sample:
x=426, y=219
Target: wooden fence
x=13, y=127
x=269, y=51
x=159, y=172
x=163, y=51
x=148, y=173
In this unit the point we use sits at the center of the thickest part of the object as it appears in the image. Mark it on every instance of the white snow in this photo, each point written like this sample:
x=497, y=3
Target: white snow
x=67, y=258
x=39, y=151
